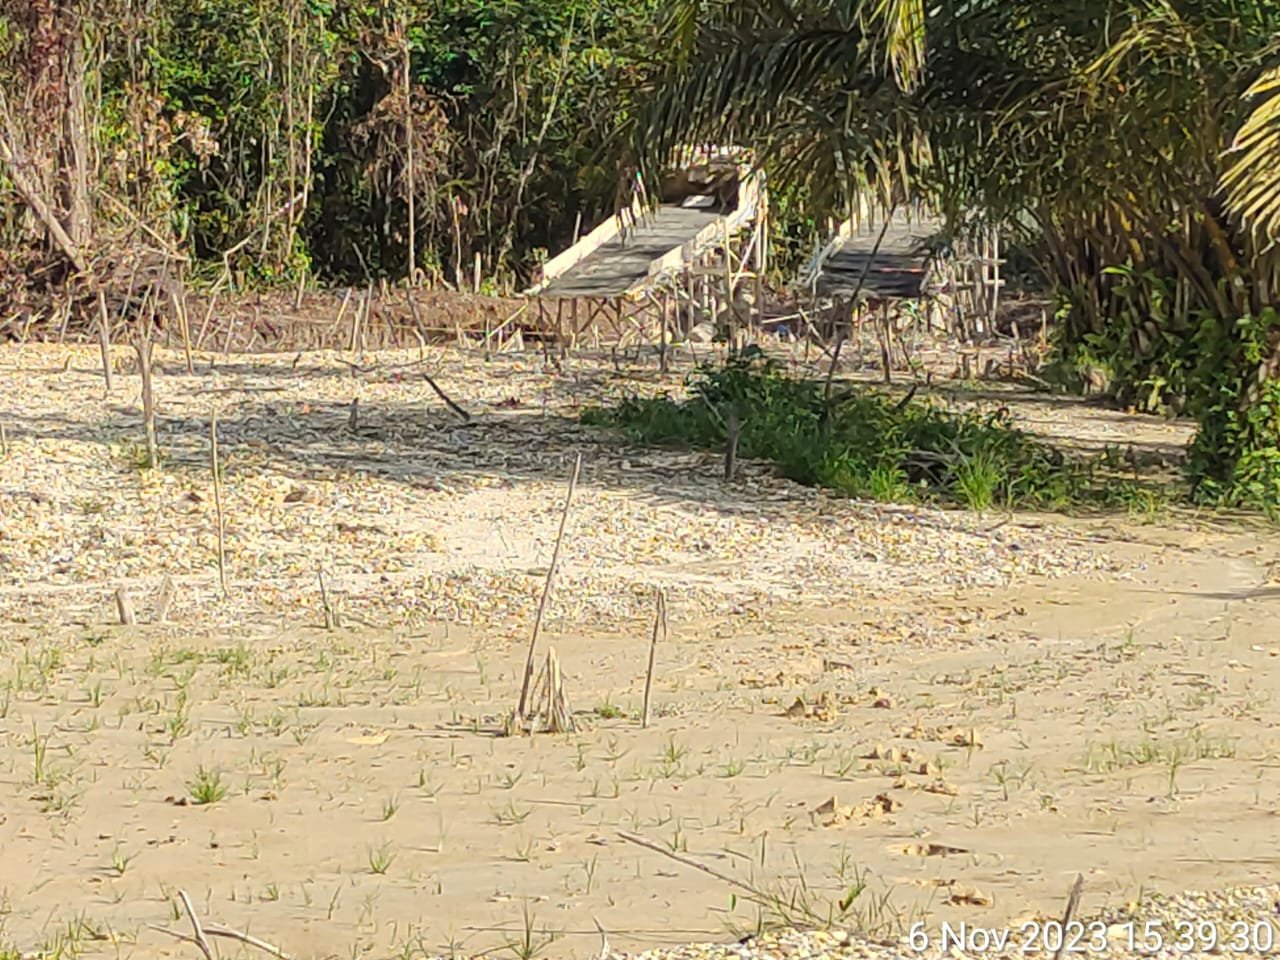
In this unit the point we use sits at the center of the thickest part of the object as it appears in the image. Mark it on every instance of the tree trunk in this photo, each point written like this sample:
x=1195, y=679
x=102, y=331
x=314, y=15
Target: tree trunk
x=45, y=128
x=74, y=152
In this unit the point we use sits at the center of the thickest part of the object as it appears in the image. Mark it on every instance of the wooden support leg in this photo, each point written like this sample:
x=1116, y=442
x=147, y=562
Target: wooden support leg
x=885, y=345
x=617, y=320
x=662, y=334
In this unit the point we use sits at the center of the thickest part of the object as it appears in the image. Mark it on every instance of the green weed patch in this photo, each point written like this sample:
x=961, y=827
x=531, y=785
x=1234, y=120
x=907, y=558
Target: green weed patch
x=866, y=445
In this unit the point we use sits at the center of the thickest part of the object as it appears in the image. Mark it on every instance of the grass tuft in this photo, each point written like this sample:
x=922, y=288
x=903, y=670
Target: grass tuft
x=208, y=786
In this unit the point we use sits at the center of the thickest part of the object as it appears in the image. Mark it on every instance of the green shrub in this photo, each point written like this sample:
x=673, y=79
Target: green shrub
x=865, y=445
x=1235, y=457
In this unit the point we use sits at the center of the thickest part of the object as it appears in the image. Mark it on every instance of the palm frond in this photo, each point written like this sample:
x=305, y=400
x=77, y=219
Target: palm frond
x=814, y=87
x=1252, y=178
x=901, y=25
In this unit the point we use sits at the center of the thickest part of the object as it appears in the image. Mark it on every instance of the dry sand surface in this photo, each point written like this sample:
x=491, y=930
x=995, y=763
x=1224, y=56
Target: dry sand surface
x=954, y=714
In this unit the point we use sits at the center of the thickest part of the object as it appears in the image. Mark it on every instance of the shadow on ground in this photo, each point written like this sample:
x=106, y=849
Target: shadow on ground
x=522, y=425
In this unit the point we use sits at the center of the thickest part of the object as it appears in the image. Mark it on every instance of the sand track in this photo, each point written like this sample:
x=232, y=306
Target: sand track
x=1035, y=697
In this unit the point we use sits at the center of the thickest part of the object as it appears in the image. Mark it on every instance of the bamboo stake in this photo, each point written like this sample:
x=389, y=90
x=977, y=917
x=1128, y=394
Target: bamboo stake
x=330, y=617
x=733, y=431
x=124, y=607
x=142, y=346
x=732, y=313
x=886, y=345
x=360, y=320
x=184, y=322
x=659, y=626
x=862, y=278
x=763, y=265
x=217, y=502
x=104, y=339
x=208, y=317
x=409, y=159
x=164, y=599
x=546, y=589
x=1073, y=901
x=559, y=719
x=995, y=277
x=342, y=311
x=662, y=334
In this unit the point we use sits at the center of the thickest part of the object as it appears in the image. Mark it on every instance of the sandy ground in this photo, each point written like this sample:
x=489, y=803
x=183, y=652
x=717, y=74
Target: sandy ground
x=949, y=716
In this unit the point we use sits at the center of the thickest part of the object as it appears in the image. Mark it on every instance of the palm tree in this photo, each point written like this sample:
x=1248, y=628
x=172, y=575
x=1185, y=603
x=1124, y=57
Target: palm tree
x=818, y=86
x=1103, y=125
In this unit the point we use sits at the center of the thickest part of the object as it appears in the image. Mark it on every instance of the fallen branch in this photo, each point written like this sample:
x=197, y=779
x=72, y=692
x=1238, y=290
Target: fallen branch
x=165, y=247
x=604, y=940
x=201, y=933
x=197, y=933
x=497, y=331
x=229, y=934
x=462, y=414
x=752, y=893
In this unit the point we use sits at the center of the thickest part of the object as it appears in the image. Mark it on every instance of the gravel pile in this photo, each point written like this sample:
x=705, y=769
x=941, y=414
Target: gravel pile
x=415, y=514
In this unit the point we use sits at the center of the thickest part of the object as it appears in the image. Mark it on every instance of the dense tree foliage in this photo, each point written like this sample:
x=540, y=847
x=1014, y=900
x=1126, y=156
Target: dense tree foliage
x=1134, y=145
x=1099, y=131
x=292, y=122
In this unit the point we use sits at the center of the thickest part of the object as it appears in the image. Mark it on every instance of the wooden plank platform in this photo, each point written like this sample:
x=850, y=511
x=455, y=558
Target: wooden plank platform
x=620, y=263
x=895, y=271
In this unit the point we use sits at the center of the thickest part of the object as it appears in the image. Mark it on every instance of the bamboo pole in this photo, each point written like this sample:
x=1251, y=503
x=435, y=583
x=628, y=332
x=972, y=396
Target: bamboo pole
x=409, y=159
x=546, y=591
x=104, y=339
x=730, y=312
x=663, y=306
x=217, y=502
x=142, y=346
x=659, y=627
x=178, y=294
